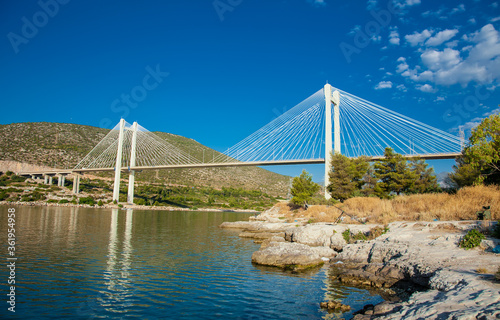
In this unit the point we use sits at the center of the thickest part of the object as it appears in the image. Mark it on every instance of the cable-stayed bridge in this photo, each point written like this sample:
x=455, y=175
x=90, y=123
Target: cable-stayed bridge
x=330, y=120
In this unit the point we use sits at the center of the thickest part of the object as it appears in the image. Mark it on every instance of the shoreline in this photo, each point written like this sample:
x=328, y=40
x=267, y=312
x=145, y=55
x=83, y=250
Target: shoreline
x=453, y=283
x=125, y=207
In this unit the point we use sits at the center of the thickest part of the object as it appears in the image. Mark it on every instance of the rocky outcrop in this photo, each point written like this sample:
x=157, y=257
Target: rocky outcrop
x=324, y=235
x=292, y=256
x=256, y=226
x=425, y=254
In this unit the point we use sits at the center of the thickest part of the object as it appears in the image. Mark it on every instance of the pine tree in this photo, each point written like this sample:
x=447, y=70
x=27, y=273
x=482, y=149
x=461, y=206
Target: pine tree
x=347, y=176
x=425, y=180
x=393, y=174
x=480, y=160
x=303, y=188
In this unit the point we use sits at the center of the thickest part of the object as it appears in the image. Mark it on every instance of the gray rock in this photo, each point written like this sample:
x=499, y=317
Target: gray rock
x=287, y=255
x=316, y=235
x=337, y=241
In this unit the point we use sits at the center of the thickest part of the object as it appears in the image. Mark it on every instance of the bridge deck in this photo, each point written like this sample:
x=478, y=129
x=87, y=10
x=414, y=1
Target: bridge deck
x=437, y=156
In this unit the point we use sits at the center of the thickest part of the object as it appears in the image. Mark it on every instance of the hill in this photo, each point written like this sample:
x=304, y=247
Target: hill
x=63, y=145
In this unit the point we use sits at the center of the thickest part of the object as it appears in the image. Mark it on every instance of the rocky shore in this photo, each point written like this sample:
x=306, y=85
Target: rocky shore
x=452, y=283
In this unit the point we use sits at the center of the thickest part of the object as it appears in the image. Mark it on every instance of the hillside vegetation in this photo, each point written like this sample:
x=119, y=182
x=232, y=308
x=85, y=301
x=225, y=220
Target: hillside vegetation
x=63, y=145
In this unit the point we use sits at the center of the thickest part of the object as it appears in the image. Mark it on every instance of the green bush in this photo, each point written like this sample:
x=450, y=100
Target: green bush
x=62, y=201
x=347, y=235
x=15, y=178
x=99, y=203
x=472, y=239
x=120, y=205
x=87, y=200
x=140, y=202
x=359, y=236
x=4, y=196
x=52, y=201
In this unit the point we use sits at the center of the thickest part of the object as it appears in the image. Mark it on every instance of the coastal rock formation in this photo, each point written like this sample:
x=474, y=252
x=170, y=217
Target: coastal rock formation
x=315, y=235
x=256, y=226
x=293, y=256
x=426, y=254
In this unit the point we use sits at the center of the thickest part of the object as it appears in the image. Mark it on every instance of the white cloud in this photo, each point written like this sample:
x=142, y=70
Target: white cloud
x=495, y=19
x=402, y=4
x=460, y=8
x=425, y=88
x=317, y=3
x=472, y=21
x=441, y=37
x=402, y=66
x=394, y=36
x=402, y=87
x=418, y=38
x=478, y=61
x=383, y=85
x=439, y=99
x=436, y=60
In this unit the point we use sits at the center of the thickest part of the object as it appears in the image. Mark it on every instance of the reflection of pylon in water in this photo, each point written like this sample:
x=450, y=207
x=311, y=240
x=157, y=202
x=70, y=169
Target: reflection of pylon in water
x=289, y=195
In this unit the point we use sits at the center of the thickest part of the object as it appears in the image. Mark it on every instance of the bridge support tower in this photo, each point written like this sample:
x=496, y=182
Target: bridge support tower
x=118, y=165
x=131, y=176
x=331, y=97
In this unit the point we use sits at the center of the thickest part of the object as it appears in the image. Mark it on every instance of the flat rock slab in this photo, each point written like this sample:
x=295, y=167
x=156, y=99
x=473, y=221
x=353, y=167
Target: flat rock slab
x=293, y=256
x=256, y=226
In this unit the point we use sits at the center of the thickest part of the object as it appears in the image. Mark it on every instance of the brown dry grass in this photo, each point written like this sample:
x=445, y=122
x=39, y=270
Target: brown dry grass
x=421, y=207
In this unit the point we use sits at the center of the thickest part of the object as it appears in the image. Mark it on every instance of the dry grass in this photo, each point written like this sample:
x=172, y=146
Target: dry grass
x=422, y=207
x=482, y=271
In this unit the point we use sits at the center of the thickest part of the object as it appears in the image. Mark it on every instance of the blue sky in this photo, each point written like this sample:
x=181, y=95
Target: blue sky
x=216, y=71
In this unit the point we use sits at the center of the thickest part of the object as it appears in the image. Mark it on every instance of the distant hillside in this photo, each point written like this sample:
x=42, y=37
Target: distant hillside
x=63, y=145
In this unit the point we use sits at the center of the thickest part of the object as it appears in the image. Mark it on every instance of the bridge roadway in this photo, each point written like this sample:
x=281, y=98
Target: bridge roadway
x=437, y=156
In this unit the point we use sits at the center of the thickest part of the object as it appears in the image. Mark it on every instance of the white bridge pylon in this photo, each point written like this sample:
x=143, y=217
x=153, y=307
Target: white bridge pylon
x=128, y=147
x=307, y=133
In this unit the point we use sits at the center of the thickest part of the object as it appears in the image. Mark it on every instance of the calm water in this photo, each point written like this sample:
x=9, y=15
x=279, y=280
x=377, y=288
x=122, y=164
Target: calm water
x=76, y=263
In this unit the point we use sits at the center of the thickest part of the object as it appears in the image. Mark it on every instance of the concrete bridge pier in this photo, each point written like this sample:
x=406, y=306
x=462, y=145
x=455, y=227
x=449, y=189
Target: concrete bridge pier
x=61, y=179
x=50, y=180
x=76, y=184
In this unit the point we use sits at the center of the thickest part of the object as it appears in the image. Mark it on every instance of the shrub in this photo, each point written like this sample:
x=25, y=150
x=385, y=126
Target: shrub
x=359, y=236
x=3, y=196
x=99, y=203
x=87, y=200
x=377, y=232
x=140, y=202
x=120, y=205
x=347, y=235
x=63, y=201
x=9, y=173
x=52, y=201
x=472, y=239
x=15, y=178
